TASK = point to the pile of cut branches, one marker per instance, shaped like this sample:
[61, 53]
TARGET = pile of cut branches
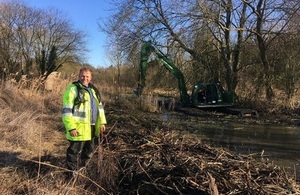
[148, 160]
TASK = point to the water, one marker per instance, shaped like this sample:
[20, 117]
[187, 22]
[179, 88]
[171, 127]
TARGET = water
[277, 144]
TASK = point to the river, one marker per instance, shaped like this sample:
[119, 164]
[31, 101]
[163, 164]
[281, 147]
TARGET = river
[275, 143]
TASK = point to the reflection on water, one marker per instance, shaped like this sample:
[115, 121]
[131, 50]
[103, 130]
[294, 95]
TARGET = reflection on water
[278, 143]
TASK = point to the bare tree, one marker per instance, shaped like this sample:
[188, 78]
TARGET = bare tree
[54, 31]
[226, 21]
[286, 48]
[187, 26]
[272, 19]
[219, 39]
[9, 52]
[37, 41]
[165, 25]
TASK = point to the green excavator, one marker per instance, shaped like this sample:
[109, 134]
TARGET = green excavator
[204, 95]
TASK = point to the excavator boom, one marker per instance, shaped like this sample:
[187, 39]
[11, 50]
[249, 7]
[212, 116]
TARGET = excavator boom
[146, 50]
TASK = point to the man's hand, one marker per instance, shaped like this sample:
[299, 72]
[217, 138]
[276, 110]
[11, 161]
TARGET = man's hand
[102, 129]
[74, 133]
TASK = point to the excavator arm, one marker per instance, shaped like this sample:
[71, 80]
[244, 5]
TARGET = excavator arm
[146, 50]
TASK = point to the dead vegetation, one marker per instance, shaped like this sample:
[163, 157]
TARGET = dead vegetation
[141, 155]
[161, 161]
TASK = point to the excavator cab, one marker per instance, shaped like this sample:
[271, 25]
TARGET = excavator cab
[208, 94]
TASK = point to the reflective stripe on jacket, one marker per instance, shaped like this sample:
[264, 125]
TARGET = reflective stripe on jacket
[78, 116]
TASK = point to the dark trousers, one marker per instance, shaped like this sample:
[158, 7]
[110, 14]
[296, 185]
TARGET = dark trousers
[79, 152]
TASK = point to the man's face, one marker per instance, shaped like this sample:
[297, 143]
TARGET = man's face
[85, 77]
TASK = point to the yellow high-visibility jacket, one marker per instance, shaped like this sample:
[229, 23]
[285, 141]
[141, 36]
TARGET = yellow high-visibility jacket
[78, 117]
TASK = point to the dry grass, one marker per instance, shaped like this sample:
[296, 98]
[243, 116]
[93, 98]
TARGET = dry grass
[31, 130]
[280, 104]
[33, 144]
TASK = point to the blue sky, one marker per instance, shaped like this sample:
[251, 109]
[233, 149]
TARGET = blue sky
[85, 15]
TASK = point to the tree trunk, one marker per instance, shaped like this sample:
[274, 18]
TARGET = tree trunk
[263, 48]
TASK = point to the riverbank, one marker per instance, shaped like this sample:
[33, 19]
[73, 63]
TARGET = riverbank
[142, 154]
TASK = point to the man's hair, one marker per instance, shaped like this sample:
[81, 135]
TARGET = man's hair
[84, 69]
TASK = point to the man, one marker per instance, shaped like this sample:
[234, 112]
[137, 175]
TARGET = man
[83, 117]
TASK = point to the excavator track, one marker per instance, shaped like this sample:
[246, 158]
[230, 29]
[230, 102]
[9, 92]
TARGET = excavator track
[200, 111]
[241, 112]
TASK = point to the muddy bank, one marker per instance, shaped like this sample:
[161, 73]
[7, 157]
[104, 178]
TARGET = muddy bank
[261, 117]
